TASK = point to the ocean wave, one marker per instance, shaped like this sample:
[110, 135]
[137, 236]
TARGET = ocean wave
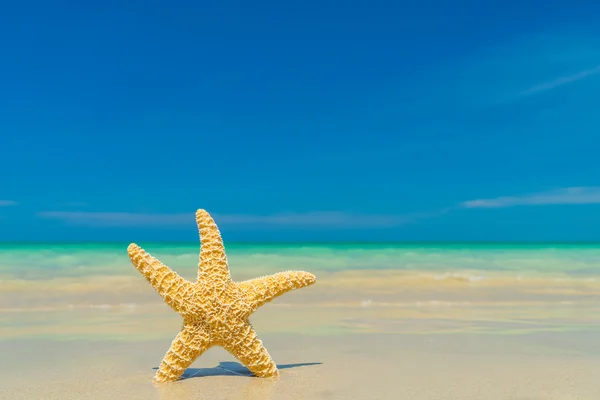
[384, 281]
[469, 265]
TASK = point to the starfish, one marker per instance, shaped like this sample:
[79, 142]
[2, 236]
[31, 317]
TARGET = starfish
[215, 309]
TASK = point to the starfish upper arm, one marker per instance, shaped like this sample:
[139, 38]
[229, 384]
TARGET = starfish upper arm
[213, 260]
[167, 282]
[261, 290]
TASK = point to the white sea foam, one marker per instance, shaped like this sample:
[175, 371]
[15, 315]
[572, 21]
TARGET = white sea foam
[366, 303]
[459, 276]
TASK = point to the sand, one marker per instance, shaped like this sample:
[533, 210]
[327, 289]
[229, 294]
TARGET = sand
[355, 335]
[359, 366]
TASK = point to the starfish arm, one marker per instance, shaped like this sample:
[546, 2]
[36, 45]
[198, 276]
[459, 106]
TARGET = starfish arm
[261, 290]
[248, 348]
[171, 287]
[192, 341]
[213, 261]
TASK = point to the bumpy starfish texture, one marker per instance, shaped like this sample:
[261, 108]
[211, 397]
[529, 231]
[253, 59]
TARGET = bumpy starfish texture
[215, 309]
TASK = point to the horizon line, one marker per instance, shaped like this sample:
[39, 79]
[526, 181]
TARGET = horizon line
[401, 242]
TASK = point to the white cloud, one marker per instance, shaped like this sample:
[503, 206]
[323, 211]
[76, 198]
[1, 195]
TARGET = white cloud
[115, 218]
[316, 219]
[563, 80]
[572, 195]
[320, 220]
[310, 219]
[7, 203]
[74, 204]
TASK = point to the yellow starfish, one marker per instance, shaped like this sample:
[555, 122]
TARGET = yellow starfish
[215, 309]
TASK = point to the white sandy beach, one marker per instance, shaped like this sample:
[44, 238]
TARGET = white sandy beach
[359, 366]
[354, 335]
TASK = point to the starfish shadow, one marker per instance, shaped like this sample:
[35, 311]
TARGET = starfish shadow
[232, 368]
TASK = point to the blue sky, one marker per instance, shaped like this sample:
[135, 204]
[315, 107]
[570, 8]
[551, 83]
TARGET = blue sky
[318, 121]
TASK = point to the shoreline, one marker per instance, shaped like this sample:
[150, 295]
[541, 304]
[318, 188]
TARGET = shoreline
[444, 325]
[357, 301]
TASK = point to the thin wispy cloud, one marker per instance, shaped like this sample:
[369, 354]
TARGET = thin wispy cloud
[74, 204]
[7, 203]
[316, 220]
[322, 220]
[572, 195]
[113, 219]
[564, 80]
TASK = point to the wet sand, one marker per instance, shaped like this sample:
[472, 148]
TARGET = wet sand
[360, 366]
[353, 335]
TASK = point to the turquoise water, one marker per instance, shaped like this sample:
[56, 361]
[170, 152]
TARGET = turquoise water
[93, 291]
[38, 261]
